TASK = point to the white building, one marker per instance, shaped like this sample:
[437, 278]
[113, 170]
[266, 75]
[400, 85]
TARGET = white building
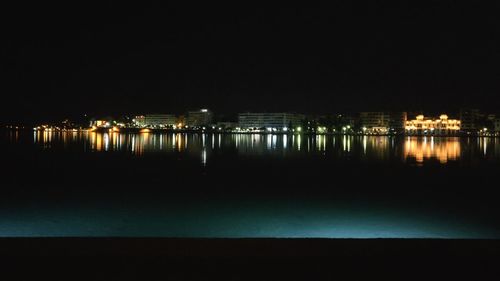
[155, 120]
[269, 121]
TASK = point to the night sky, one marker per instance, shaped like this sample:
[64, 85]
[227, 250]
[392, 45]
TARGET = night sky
[62, 61]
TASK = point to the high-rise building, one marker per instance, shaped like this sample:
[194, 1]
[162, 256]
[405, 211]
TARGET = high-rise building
[270, 121]
[199, 118]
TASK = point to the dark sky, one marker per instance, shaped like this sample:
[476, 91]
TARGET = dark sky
[68, 60]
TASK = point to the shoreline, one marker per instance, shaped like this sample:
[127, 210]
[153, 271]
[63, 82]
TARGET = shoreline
[184, 131]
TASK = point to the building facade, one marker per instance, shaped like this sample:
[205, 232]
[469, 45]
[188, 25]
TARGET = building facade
[397, 121]
[155, 120]
[100, 123]
[471, 120]
[270, 121]
[382, 122]
[376, 122]
[497, 125]
[433, 126]
[199, 118]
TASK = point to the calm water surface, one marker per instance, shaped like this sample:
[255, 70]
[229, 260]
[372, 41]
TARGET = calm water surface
[237, 185]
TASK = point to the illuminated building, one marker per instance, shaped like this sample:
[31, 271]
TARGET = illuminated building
[273, 121]
[202, 117]
[429, 126]
[100, 124]
[155, 120]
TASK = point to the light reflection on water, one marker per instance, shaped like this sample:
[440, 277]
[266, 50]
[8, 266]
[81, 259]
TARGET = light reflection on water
[442, 149]
[418, 150]
[166, 214]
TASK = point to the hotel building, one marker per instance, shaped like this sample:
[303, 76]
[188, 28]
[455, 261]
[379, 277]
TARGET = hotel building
[471, 120]
[155, 120]
[375, 121]
[429, 126]
[199, 118]
[497, 125]
[382, 122]
[269, 121]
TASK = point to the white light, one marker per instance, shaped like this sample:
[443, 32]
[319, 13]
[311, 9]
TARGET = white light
[285, 129]
[204, 110]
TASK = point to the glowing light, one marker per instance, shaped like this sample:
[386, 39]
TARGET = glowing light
[443, 151]
[145, 131]
[299, 129]
[442, 125]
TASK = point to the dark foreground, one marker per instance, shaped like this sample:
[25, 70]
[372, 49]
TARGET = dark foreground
[246, 259]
